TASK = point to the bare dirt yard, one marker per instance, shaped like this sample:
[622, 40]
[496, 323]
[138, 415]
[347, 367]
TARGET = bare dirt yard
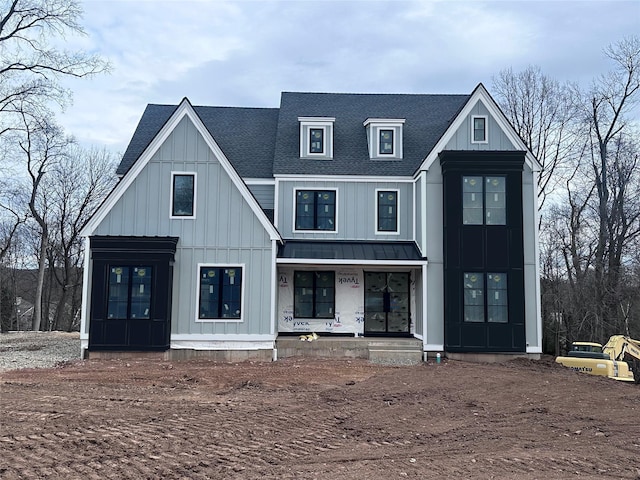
[314, 419]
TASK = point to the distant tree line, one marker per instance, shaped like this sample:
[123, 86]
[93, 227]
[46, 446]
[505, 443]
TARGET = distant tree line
[588, 144]
[49, 185]
[587, 141]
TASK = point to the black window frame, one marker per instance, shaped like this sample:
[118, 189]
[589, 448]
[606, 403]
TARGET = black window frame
[314, 150]
[484, 192]
[383, 150]
[476, 130]
[174, 190]
[223, 291]
[381, 216]
[315, 220]
[474, 282]
[134, 296]
[315, 286]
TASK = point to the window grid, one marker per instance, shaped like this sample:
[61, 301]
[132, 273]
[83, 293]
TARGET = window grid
[220, 295]
[129, 295]
[485, 297]
[314, 294]
[387, 211]
[315, 210]
[484, 200]
[479, 129]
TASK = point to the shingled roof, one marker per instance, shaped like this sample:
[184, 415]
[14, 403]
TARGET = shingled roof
[261, 142]
[426, 119]
[246, 136]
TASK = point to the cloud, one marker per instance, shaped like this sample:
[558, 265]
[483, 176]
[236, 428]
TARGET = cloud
[245, 53]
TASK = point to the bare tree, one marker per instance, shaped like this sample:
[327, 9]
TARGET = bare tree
[30, 65]
[42, 145]
[613, 161]
[79, 182]
[541, 110]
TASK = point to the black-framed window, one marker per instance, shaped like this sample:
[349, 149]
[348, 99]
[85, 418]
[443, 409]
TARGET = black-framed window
[314, 294]
[479, 129]
[315, 210]
[220, 292]
[386, 142]
[484, 200]
[387, 211]
[183, 195]
[316, 140]
[485, 297]
[129, 292]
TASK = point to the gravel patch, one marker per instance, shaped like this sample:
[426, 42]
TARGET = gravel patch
[37, 349]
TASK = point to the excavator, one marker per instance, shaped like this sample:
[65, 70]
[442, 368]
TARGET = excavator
[619, 359]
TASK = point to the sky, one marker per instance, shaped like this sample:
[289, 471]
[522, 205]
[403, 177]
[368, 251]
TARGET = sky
[246, 52]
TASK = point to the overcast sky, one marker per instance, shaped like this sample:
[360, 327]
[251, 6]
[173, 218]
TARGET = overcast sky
[244, 53]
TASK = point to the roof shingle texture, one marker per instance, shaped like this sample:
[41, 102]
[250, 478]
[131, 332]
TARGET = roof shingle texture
[262, 142]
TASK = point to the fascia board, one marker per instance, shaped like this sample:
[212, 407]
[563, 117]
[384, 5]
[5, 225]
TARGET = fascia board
[233, 174]
[321, 261]
[341, 178]
[480, 94]
[184, 109]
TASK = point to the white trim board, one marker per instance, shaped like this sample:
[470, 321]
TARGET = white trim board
[480, 94]
[184, 109]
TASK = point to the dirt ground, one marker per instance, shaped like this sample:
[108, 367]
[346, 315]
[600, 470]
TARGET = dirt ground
[315, 419]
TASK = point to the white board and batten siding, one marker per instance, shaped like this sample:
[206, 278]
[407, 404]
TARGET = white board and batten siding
[225, 231]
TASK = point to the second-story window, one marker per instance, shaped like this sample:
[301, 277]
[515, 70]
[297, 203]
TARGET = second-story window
[183, 188]
[315, 210]
[484, 200]
[387, 211]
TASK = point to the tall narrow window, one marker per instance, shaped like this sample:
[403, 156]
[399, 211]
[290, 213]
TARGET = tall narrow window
[497, 308]
[479, 129]
[129, 292]
[183, 195]
[314, 294]
[388, 211]
[316, 140]
[484, 200]
[386, 142]
[474, 297]
[495, 201]
[315, 210]
[220, 293]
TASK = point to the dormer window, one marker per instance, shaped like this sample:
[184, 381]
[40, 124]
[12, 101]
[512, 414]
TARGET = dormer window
[386, 142]
[384, 137]
[316, 140]
[316, 137]
[479, 129]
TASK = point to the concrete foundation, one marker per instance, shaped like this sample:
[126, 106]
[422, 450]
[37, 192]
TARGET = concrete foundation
[403, 351]
[490, 357]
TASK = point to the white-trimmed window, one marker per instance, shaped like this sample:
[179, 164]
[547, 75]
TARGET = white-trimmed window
[479, 133]
[316, 137]
[220, 292]
[387, 211]
[315, 210]
[183, 195]
[384, 137]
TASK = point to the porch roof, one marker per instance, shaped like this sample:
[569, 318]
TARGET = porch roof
[340, 251]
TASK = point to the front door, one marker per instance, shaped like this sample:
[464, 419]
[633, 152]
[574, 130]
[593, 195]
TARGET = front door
[386, 304]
